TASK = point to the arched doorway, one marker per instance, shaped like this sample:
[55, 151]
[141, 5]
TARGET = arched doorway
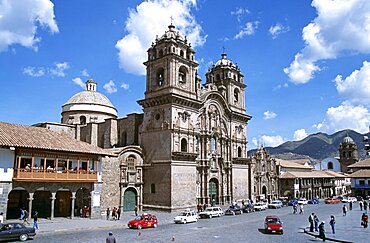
[129, 199]
[63, 204]
[42, 203]
[264, 191]
[213, 191]
[17, 199]
[83, 198]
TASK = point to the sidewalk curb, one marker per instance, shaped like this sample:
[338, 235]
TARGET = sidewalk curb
[326, 238]
[80, 229]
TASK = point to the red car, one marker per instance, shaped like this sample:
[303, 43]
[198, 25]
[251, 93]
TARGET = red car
[143, 221]
[273, 224]
[332, 200]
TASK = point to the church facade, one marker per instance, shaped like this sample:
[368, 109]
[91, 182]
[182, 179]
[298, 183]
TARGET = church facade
[189, 146]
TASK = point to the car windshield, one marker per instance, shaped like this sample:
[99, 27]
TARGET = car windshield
[183, 214]
[273, 221]
[209, 209]
[139, 218]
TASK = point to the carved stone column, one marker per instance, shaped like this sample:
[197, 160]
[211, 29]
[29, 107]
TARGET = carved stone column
[73, 205]
[30, 199]
[53, 194]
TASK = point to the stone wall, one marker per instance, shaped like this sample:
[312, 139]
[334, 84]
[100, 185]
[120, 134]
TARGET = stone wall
[184, 187]
[5, 188]
[110, 193]
[240, 182]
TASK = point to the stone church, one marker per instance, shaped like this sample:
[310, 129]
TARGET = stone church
[189, 146]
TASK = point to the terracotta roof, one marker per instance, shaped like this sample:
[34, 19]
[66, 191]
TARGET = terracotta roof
[21, 136]
[305, 174]
[361, 174]
[361, 164]
[335, 174]
[300, 161]
[291, 164]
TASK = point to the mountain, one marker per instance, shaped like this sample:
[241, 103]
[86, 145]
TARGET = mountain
[317, 146]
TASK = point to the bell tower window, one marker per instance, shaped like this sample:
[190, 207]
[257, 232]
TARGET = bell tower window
[82, 120]
[236, 95]
[182, 53]
[182, 75]
[160, 77]
[184, 145]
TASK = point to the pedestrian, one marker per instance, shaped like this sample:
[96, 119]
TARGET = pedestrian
[35, 220]
[350, 205]
[311, 221]
[322, 231]
[316, 220]
[332, 223]
[364, 220]
[119, 213]
[301, 211]
[294, 208]
[365, 206]
[344, 210]
[108, 213]
[204, 207]
[1, 218]
[25, 218]
[21, 214]
[114, 213]
[136, 209]
[199, 207]
[360, 203]
[110, 238]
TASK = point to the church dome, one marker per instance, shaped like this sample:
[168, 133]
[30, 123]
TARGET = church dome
[224, 61]
[348, 140]
[172, 34]
[89, 97]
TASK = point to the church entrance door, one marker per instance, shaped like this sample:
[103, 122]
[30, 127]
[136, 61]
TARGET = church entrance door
[213, 191]
[129, 199]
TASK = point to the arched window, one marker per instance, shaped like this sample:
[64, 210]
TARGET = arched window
[182, 53]
[330, 166]
[349, 154]
[213, 144]
[82, 120]
[184, 145]
[344, 154]
[131, 163]
[239, 152]
[160, 77]
[160, 53]
[173, 49]
[182, 75]
[236, 95]
[234, 77]
[217, 77]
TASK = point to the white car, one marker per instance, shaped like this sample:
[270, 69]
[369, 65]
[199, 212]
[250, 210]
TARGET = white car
[275, 204]
[211, 212]
[302, 201]
[187, 216]
[349, 199]
[259, 206]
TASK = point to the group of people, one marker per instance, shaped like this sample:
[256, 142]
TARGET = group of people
[318, 226]
[364, 205]
[295, 208]
[116, 213]
[24, 215]
[85, 212]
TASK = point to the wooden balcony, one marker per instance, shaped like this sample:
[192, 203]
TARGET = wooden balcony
[36, 175]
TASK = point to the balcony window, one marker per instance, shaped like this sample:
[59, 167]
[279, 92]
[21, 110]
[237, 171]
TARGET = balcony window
[361, 182]
[131, 163]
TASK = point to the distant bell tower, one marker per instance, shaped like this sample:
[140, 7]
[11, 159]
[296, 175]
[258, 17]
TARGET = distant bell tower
[348, 153]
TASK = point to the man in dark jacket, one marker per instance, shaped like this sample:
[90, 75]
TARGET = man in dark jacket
[110, 238]
[322, 230]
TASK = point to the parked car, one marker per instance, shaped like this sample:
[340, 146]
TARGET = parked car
[259, 206]
[349, 199]
[313, 201]
[233, 210]
[186, 216]
[302, 201]
[14, 231]
[293, 202]
[275, 204]
[273, 224]
[332, 200]
[248, 208]
[211, 212]
[143, 221]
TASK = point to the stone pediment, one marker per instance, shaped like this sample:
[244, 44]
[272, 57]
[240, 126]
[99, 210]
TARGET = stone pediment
[184, 156]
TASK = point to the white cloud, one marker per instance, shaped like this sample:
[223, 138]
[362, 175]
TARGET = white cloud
[110, 87]
[239, 13]
[300, 134]
[248, 29]
[151, 18]
[21, 19]
[356, 87]
[125, 86]
[271, 141]
[59, 69]
[269, 115]
[79, 82]
[34, 71]
[339, 26]
[345, 116]
[278, 29]
[85, 73]
[279, 86]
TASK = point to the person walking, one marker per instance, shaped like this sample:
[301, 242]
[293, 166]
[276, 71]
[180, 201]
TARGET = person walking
[35, 220]
[365, 206]
[108, 213]
[364, 220]
[344, 210]
[311, 221]
[332, 223]
[25, 218]
[136, 209]
[295, 208]
[110, 238]
[316, 220]
[301, 211]
[350, 205]
[322, 231]
[1, 218]
[119, 213]
[21, 214]
[360, 203]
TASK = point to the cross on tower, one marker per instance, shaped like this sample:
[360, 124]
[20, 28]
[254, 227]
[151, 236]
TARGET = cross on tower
[171, 19]
[223, 49]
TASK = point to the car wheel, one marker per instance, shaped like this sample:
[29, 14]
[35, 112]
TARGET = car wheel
[155, 225]
[210, 216]
[282, 232]
[23, 237]
[139, 227]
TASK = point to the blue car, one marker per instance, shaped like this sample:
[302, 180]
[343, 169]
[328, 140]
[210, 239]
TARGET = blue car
[313, 201]
[293, 202]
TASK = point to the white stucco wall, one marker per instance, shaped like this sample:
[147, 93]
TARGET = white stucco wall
[6, 164]
[323, 165]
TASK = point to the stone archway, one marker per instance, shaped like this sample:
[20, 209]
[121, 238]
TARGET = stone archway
[17, 199]
[213, 191]
[63, 204]
[264, 191]
[129, 199]
[83, 198]
[42, 203]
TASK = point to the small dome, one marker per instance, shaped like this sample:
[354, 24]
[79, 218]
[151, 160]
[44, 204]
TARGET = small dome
[172, 34]
[90, 97]
[224, 61]
[348, 140]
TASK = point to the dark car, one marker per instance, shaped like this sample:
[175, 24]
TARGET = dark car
[13, 231]
[273, 224]
[313, 201]
[248, 208]
[233, 210]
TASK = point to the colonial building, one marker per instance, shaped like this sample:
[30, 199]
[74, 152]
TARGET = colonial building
[48, 172]
[360, 178]
[189, 146]
[348, 153]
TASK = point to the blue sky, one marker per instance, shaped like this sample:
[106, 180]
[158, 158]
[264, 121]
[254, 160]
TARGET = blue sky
[305, 62]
